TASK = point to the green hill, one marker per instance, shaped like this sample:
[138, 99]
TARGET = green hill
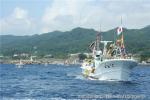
[58, 43]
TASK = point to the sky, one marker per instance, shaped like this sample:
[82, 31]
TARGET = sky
[28, 17]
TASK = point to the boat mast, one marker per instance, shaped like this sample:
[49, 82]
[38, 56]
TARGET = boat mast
[122, 37]
[120, 41]
[98, 39]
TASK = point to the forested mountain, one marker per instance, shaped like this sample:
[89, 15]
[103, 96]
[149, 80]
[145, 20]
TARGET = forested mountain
[59, 43]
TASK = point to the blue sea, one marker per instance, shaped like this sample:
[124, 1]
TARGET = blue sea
[59, 82]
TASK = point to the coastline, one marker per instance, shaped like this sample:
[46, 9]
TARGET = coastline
[40, 61]
[51, 61]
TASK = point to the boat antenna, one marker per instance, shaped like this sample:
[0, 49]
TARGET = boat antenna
[100, 33]
[98, 38]
[121, 20]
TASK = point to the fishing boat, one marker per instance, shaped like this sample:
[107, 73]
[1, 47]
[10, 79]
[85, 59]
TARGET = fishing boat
[109, 63]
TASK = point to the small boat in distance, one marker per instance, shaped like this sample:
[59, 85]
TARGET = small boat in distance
[20, 64]
[112, 63]
[46, 64]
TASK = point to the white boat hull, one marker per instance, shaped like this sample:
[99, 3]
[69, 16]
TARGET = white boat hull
[113, 69]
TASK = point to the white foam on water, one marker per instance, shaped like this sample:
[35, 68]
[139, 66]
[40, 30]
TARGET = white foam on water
[71, 74]
[57, 98]
[80, 77]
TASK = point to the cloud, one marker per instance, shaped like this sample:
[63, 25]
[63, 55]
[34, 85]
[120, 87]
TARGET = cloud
[18, 23]
[19, 13]
[67, 14]
[63, 14]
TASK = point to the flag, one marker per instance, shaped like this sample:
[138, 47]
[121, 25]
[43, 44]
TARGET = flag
[122, 46]
[122, 41]
[119, 30]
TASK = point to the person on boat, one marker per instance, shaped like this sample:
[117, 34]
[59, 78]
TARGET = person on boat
[110, 51]
[92, 67]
